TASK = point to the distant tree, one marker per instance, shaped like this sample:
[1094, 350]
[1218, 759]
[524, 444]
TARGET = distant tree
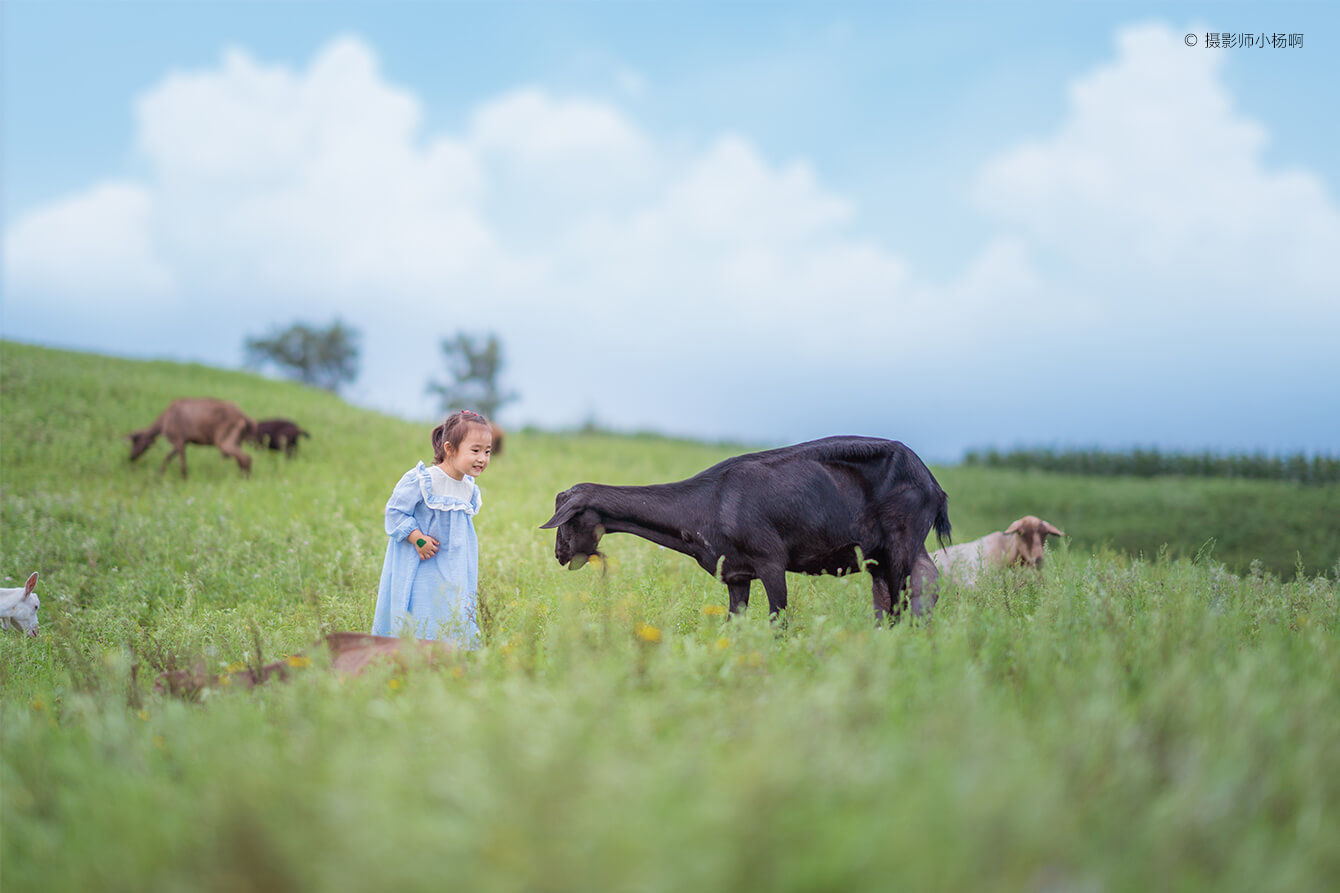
[326, 358]
[474, 365]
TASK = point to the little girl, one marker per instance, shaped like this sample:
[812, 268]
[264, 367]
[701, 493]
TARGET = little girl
[431, 569]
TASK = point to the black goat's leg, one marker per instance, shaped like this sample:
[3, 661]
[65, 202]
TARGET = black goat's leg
[739, 595]
[887, 599]
[774, 583]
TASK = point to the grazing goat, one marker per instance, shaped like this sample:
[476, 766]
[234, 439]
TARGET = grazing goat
[498, 434]
[202, 420]
[18, 607]
[836, 505]
[1021, 543]
[279, 434]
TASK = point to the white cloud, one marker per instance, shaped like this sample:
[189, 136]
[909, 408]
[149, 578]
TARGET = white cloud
[99, 243]
[274, 182]
[1155, 179]
[535, 128]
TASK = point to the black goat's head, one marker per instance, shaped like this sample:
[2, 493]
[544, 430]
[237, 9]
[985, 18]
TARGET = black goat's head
[579, 530]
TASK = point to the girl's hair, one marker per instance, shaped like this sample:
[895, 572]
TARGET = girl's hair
[453, 431]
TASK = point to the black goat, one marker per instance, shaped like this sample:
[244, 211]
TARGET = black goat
[279, 434]
[806, 508]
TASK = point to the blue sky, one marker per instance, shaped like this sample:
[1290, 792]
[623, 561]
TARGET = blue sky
[956, 225]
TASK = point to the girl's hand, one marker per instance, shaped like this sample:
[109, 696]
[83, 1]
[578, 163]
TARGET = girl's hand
[429, 545]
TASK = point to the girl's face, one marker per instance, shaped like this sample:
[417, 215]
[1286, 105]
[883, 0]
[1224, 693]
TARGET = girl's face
[472, 457]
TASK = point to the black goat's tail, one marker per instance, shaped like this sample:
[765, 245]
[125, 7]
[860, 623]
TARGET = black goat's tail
[942, 527]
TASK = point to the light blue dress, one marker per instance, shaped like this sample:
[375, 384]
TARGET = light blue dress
[437, 598]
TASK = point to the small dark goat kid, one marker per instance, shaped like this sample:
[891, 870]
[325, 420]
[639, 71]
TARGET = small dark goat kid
[806, 508]
[202, 420]
[279, 434]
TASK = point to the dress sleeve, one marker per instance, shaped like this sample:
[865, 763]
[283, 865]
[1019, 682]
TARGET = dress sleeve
[400, 507]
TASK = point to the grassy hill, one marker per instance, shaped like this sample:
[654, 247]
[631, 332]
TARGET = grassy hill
[1134, 720]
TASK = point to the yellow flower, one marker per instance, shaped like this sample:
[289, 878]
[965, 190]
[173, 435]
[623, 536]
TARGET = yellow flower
[225, 679]
[647, 633]
[38, 704]
[722, 644]
[714, 610]
[143, 714]
[393, 684]
[234, 667]
[297, 660]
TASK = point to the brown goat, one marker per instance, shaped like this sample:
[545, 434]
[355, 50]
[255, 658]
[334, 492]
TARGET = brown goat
[497, 438]
[201, 420]
[1021, 543]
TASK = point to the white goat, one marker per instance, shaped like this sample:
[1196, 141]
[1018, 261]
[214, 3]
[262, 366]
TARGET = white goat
[18, 607]
[1020, 543]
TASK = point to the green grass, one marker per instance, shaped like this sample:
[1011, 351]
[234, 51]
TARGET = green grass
[1130, 722]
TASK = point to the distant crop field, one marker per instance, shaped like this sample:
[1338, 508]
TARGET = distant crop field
[1299, 468]
[1157, 711]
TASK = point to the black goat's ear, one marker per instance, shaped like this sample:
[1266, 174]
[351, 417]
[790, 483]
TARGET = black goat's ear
[562, 515]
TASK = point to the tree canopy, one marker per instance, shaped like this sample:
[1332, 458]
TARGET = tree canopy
[474, 365]
[326, 358]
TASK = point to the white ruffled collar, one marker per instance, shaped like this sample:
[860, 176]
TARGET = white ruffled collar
[448, 503]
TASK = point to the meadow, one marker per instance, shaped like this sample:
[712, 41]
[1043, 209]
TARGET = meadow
[1156, 716]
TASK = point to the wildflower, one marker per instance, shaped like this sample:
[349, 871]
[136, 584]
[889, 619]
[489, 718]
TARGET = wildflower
[714, 610]
[143, 714]
[393, 684]
[722, 644]
[647, 633]
[38, 704]
[225, 679]
[234, 667]
[298, 660]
